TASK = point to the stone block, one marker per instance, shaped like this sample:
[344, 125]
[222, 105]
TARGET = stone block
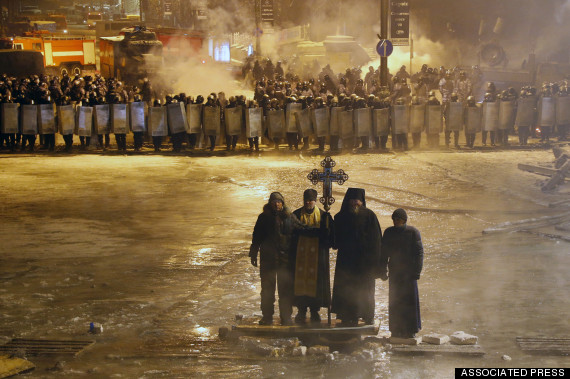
[318, 350]
[435, 338]
[406, 341]
[300, 351]
[274, 347]
[462, 338]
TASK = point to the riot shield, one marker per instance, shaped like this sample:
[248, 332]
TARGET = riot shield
[9, 122]
[276, 124]
[417, 118]
[526, 111]
[454, 121]
[303, 122]
[157, 121]
[137, 116]
[506, 115]
[547, 111]
[253, 122]
[562, 110]
[434, 119]
[233, 121]
[119, 119]
[66, 119]
[46, 119]
[83, 121]
[381, 125]
[194, 117]
[400, 118]
[290, 124]
[334, 121]
[346, 124]
[29, 119]
[490, 116]
[363, 122]
[473, 119]
[212, 121]
[102, 119]
[320, 119]
[176, 117]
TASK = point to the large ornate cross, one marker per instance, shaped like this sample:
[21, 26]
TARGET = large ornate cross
[327, 177]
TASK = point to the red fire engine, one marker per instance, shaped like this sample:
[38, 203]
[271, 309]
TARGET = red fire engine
[71, 54]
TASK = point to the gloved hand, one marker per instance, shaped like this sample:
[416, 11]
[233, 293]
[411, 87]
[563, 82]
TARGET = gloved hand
[254, 261]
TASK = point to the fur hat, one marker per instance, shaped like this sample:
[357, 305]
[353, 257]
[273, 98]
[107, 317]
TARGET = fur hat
[310, 195]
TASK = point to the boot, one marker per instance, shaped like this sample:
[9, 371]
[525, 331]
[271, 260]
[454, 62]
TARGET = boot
[265, 320]
[315, 317]
[301, 317]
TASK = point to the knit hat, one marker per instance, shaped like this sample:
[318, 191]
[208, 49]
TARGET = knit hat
[276, 196]
[400, 213]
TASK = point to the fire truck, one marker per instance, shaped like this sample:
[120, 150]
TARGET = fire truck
[61, 54]
[131, 56]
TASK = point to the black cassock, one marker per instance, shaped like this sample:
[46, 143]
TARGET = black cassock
[402, 254]
[358, 238]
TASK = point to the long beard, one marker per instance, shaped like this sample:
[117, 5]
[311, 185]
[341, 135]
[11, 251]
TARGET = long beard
[354, 210]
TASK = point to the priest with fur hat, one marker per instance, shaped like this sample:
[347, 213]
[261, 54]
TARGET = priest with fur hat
[311, 259]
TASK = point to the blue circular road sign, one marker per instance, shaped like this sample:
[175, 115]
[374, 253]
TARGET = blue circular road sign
[384, 48]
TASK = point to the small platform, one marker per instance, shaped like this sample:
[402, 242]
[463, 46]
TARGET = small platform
[545, 345]
[45, 347]
[446, 349]
[10, 366]
[323, 332]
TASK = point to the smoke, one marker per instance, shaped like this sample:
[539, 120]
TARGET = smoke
[231, 17]
[200, 75]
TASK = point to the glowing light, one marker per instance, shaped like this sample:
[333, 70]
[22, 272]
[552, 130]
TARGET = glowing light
[249, 50]
[201, 332]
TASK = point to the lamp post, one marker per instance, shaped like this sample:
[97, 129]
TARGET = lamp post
[384, 35]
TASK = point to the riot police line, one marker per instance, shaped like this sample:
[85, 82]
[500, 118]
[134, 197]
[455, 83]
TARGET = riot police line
[344, 122]
[351, 124]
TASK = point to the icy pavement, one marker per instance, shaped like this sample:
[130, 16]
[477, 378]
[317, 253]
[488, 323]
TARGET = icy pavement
[155, 249]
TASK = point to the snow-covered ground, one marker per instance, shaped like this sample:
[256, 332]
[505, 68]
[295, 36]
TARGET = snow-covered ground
[155, 249]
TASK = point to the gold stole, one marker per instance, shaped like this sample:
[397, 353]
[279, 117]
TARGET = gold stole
[306, 266]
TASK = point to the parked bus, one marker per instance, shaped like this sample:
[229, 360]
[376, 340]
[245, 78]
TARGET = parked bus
[93, 19]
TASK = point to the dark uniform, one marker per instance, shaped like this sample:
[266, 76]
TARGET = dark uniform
[402, 258]
[358, 238]
[272, 238]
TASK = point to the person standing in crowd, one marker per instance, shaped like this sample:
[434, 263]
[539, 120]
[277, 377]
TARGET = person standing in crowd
[358, 238]
[311, 259]
[272, 239]
[401, 263]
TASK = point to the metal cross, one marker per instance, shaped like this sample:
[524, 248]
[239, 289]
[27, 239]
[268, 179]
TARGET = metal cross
[327, 177]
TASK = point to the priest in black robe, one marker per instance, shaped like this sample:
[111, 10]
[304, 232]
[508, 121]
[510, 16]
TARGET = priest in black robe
[311, 248]
[358, 238]
[402, 260]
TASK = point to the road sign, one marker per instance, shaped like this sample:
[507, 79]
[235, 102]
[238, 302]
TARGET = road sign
[400, 22]
[384, 48]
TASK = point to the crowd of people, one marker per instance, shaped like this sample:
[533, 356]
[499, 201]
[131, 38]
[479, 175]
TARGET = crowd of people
[344, 111]
[294, 249]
